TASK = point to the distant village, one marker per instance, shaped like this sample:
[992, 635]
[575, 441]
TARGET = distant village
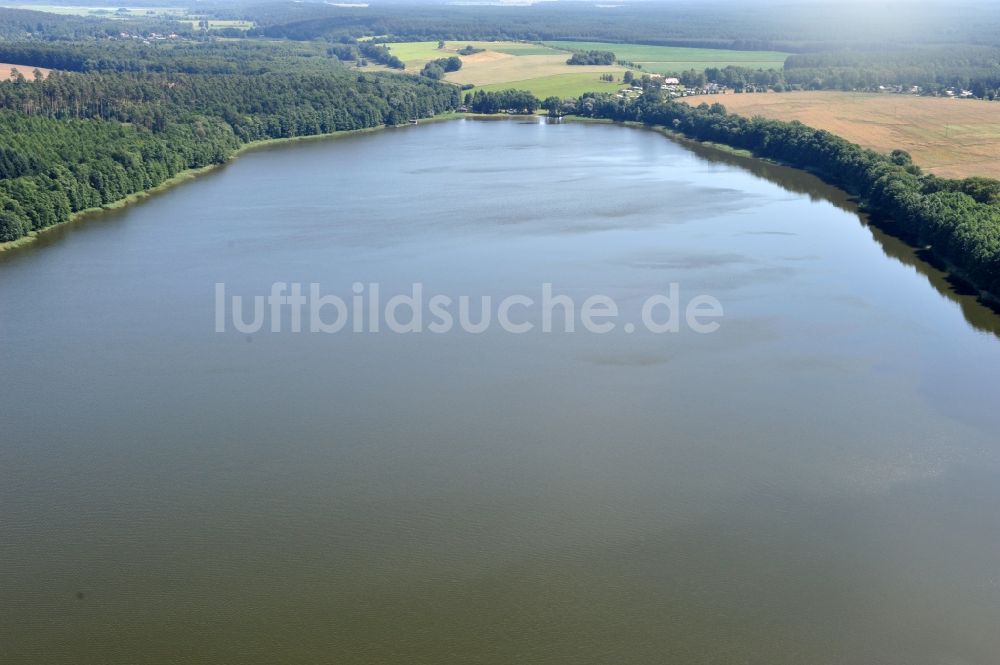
[148, 37]
[674, 88]
[917, 90]
[671, 85]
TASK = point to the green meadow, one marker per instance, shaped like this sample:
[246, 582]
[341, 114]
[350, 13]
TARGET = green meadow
[558, 85]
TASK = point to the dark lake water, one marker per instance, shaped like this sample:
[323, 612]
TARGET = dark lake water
[815, 482]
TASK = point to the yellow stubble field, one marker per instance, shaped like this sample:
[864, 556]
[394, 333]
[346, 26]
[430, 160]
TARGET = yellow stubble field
[953, 138]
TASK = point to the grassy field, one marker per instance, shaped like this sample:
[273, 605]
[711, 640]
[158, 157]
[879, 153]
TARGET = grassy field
[954, 138]
[673, 59]
[527, 49]
[416, 54]
[559, 85]
[493, 67]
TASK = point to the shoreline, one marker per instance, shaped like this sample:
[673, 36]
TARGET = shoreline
[986, 298]
[958, 279]
[190, 174]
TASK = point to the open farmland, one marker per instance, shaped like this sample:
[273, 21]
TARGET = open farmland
[495, 67]
[949, 137]
[559, 85]
[675, 59]
[500, 65]
[421, 52]
[416, 54]
[542, 68]
[28, 71]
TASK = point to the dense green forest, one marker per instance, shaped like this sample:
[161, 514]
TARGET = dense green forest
[934, 70]
[922, 71]
[254, 107]
[436, 69]
[802, 27]
[22, 24]
[928, 70]
[591, 58]
[75, 141]
[191, 57]
[52, 168]
[515, 101]
[380, 54]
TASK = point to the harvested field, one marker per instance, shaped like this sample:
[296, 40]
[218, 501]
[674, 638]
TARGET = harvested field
[27, 70]
[953, 138]
[494, 67]
[560, 85]
[510, 64]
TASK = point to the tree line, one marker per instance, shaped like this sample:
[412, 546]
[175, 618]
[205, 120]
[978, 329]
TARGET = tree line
[436, 69]
[591, 58]
[207, 56]
[76, 141]
[380, 54]
[809, 27]
[502, 101]
[958, 219]
[16, 24]
[931, 71]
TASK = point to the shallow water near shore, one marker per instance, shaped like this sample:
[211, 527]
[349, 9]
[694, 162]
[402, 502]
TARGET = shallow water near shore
[815, 482]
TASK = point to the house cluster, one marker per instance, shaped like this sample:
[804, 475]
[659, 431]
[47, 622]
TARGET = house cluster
[684, 91]
[917, 90]
[901, 89]
[146, 39]
[673, 87]
[629, 93]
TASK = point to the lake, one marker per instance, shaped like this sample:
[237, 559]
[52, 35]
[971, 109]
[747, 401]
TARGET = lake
[814, 482]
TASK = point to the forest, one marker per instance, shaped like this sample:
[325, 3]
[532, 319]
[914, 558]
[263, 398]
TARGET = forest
[591, 58]
[933, 70]
[502, 101]
[436, 69]
[79, 140]
[40, 25]
[209, 56]
[925, 70]
[807, 27]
